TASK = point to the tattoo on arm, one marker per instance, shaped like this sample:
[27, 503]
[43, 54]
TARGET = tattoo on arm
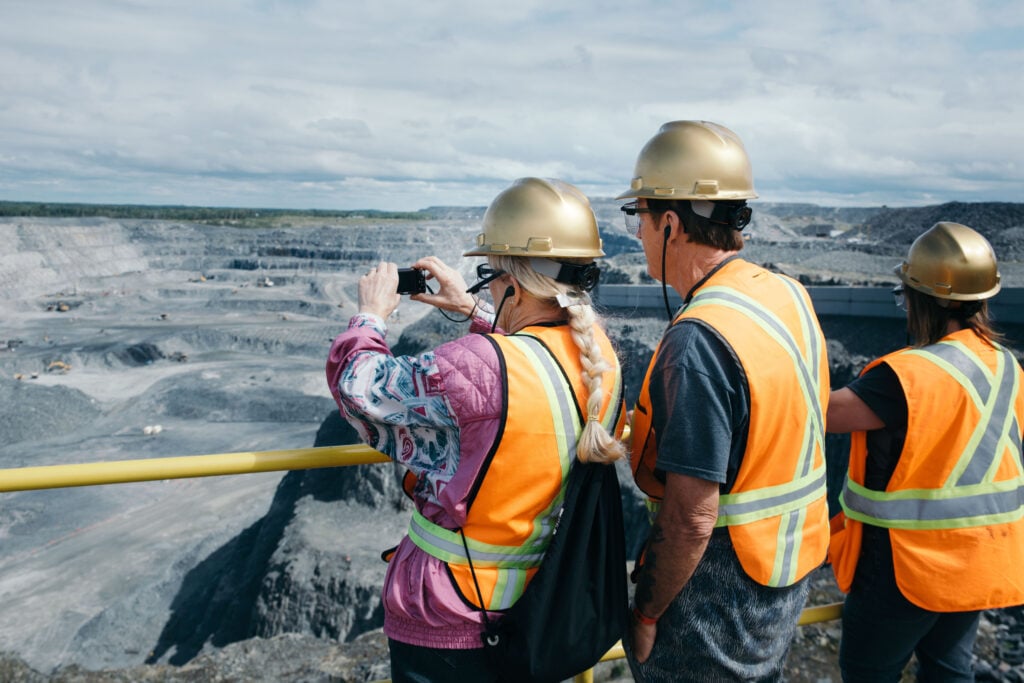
[645, 584]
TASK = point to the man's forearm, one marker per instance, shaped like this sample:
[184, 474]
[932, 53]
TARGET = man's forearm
[678, 539]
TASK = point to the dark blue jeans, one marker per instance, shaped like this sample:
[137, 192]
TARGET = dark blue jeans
[723, 626]
[414, 664]
[882, 629]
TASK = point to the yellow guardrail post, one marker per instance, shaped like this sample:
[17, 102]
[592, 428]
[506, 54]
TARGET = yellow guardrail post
[585, 677]
[819, 613]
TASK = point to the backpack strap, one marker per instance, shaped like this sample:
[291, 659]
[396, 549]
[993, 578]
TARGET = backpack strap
[489, 637]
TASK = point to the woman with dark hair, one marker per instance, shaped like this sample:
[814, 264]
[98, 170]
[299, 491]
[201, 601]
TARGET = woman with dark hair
[932, 527]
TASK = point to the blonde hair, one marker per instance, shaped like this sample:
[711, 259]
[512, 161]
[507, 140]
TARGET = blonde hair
[596, 444]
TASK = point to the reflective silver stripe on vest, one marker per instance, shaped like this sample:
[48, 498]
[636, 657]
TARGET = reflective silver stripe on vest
[445, 544]
[970, 496]
[559, 394]
[962, 509]
[975, 468]
[812, 343]
[775, 500]
[543, 356]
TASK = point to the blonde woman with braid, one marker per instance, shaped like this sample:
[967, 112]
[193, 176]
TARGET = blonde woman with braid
[488, 425]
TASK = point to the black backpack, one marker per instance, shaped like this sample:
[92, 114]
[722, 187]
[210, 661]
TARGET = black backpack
[576, 606]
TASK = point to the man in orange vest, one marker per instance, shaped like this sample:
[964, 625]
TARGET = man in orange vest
[932, 528]
[728, 430]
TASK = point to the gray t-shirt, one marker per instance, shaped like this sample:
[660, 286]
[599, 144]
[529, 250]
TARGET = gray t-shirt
[700, 403]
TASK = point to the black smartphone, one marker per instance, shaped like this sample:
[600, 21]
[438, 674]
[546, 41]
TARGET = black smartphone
[411, 281]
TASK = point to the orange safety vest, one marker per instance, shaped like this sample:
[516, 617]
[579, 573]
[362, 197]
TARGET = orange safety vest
[776, 511]
[519, 492]
[954, 506]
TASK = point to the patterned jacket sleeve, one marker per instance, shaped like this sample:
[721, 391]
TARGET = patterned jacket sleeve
[397, 404]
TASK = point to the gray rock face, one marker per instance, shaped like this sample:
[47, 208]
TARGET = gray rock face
[311, 565]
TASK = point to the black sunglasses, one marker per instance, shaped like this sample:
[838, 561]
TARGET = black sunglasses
[486, 274]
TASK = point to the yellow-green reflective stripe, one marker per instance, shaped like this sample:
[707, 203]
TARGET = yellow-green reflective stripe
[974, 378]
[961, 523]
[541, 359]
[565, 418]
[611, 415]
[965, 506]
[559, 394]
[994, 395]
[787, 548]
[790, 536]
[511, 584]
[752, 506]
[446, 545]
[812, 342]
[967, 369]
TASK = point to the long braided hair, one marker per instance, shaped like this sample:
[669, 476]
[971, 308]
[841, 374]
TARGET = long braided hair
[595, 444]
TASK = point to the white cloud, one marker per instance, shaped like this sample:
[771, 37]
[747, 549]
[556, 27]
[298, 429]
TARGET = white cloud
[405, 105]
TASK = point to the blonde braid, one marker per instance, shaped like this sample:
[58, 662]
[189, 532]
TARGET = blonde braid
[596, 444]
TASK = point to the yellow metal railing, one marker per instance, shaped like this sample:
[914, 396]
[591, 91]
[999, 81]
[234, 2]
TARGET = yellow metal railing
[155, 469]
[127, 471]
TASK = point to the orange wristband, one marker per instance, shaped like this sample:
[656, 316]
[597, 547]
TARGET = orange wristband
[643, 618]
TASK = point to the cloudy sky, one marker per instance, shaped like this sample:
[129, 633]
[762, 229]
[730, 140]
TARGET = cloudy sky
[394, 104]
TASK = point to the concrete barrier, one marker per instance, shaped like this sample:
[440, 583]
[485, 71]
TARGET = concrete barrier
[870, 302]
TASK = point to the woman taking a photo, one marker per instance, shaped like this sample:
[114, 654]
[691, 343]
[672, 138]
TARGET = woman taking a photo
[488, 424]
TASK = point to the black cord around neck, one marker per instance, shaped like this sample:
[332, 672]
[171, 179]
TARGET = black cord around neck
[497, 312]
[664, 277]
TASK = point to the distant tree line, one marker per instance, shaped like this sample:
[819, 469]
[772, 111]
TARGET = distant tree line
[196, 214]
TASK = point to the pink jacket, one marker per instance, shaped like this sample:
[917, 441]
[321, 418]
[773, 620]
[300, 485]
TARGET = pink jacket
[421, 605]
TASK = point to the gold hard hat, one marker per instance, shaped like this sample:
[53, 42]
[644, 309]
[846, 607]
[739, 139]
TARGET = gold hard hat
[951, 261]
[692, 160]
[539, 217]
